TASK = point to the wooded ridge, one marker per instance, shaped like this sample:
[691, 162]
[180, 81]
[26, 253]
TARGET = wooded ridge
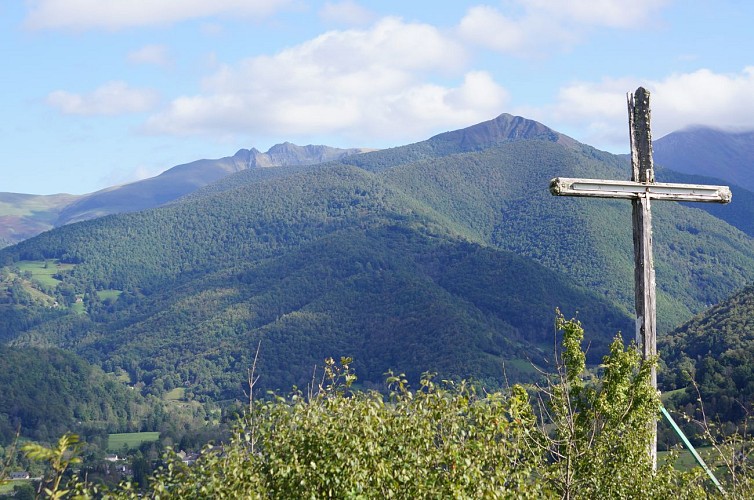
[447, 255]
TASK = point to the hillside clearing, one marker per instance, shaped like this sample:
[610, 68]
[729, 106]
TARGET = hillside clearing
[116, 442]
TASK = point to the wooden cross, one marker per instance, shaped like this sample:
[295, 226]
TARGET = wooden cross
[640, 190]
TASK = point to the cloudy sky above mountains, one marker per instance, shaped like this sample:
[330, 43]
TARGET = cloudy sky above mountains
[100, 92]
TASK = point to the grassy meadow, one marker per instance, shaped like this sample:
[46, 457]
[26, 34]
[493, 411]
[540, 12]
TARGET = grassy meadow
[175, 394]
[115, 442]
[42, 271]
[109, 294]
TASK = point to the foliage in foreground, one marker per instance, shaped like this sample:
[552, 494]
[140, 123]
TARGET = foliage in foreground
[576, 438]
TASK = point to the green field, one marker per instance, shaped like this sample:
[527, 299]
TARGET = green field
[132, 440]
[521, 366]
[109, 294]
[42, 271]
[175, 394]
[122, 376]
[78, 308]
[685, 460]
[667, 395]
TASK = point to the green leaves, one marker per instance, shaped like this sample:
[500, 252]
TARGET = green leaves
[601, 425]
[574, 359]
[59, 459]
[442, 440]
[584, 436]
[446, 440]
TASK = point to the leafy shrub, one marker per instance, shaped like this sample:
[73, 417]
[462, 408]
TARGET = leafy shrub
[587, 439]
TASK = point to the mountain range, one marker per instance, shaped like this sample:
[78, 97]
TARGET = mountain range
[24, 215]
[699, 152]
[447, 255]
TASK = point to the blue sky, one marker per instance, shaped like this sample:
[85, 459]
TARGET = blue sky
[102, 92]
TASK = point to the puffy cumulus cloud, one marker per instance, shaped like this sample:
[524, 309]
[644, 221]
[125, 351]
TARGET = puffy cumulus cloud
[347, 13]
[583, 101]
[362, 84]
[721, 100]
[534, 27]
[525, 35]
[118, 14]
[151, 54]
[680, 100]
[475, 99]
[112, 98]
[597, 109]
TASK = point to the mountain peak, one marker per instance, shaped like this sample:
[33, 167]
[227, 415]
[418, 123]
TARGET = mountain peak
[504, 128]
[287, 153]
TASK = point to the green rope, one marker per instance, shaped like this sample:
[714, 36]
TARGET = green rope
[691, 448]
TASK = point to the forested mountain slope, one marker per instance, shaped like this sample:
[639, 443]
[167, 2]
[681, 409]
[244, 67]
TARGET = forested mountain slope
[47, 392]
[499, 197]
[183, 179]
[391, 297]
[715, 351]
[324, 262]
[446, 255]
[739, 213]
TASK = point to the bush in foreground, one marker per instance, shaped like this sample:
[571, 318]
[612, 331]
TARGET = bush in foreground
[575, 438]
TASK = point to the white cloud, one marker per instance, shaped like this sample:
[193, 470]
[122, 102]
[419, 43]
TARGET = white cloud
[112, 98]
[538, 27]
[118, 14]
[362, 84]
[722, 100]
[610, 13]
[487, 26]
[523, 36]
[151, 54]
[347, 13]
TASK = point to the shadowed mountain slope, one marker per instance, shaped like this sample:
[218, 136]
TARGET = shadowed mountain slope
[709, 152]
[499, 197]
[714, 359]
[390, 297]
[738, 213]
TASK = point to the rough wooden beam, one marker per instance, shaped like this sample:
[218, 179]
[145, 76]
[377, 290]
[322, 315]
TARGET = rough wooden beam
[644, 272]
[599, 188]
[639, 114]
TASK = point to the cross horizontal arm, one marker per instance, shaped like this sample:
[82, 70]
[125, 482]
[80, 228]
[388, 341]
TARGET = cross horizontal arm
[598, 188]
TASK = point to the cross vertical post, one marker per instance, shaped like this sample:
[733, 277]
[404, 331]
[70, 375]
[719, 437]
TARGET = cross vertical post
[640, 190]
[642, 171]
